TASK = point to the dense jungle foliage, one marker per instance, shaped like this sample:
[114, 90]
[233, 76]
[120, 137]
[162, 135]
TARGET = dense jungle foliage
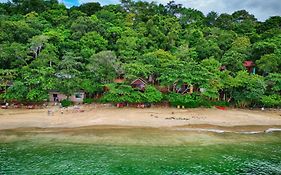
[45, 46]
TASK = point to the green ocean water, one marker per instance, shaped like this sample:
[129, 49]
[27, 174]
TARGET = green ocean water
[142, 151]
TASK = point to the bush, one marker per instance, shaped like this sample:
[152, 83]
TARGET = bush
[204, 102]
[88, 100]
[151, 95]
[66, 103]
[271, 100]
[120, 93]
[193, 101]
[220, 103]
[248, 89]
[187, 100]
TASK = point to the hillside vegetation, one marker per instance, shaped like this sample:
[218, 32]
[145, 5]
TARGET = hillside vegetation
[45, 46]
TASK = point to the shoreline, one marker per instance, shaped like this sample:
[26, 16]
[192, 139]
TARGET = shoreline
[253, 129]
[204, 119]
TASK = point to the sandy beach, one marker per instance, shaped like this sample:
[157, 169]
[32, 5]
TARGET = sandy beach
[97, 116]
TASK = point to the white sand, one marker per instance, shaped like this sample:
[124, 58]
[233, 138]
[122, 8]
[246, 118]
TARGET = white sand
[150, 117]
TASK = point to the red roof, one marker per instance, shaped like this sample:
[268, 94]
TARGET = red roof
[248, 63]
[119, 80]
[139, 81]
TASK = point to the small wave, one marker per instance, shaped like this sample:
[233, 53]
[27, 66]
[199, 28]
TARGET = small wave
[201, 129]
[273, 130]
[214, 130]
[227, 131]
[250, 132]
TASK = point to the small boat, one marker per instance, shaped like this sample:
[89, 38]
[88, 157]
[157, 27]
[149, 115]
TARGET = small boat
[4, 107]
[220, 107]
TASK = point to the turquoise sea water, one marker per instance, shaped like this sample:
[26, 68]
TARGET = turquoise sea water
[142, 151]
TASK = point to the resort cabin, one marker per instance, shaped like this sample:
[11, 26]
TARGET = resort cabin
[182, 88]
[139, 83]
[56, 96]
[250, 66]
[4, 86]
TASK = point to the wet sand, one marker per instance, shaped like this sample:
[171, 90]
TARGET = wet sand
[177, 119]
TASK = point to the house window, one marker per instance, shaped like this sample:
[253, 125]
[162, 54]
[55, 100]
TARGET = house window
[78, 95]
[55, 97]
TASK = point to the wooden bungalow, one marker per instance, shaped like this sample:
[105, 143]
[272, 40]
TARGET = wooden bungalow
[56, 96]
[182, 88]
[4, 85]
[139, 83]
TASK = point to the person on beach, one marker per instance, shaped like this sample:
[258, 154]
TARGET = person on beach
[49, 112]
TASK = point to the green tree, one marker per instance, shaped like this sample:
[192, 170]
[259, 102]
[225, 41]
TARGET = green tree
[90, 8]
[214, 82]
[211, 18]
[105, 66]
[271, 100]
[38, 81]
[13, 55]
[152, 95]
[119, 93]
[207, 48]
[244, 23]
[48, 57]
[137, 69]
[70, 64]
[270, 63]
[91, 43]
[17, 31]
[17, 92]
[37, 43]
[270, 23]
[57, 15]
[224, 21]
[241, 45]
[190, 16]
[6, 77]
[185, 53]
[234, 60]
[273, 81]
[32, 86]
[68, 77]
[248, 88]
[83, 25]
